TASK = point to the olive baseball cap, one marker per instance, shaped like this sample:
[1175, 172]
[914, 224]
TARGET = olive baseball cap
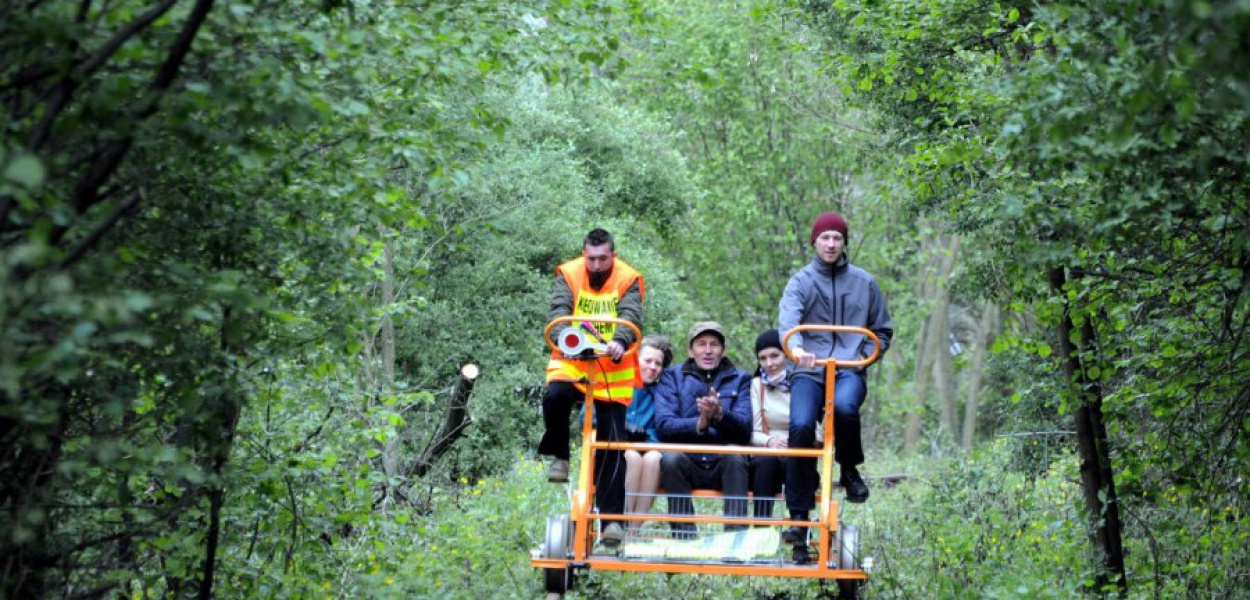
[703, 327]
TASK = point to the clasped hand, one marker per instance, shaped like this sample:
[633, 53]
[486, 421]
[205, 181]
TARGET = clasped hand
[709, 409]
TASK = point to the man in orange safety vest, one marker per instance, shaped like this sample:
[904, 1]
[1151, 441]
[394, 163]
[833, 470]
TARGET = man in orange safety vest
[598, 284]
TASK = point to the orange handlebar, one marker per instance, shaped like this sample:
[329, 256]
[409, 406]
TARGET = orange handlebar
[574, 320]
[863, 362]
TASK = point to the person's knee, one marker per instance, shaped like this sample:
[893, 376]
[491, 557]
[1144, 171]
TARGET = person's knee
[734, 462]
[672, 466]
[848, 408]
[802, 434]
[652, 458]
[632, 458]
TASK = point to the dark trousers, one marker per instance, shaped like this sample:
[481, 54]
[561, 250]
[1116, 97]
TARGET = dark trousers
[558, 402]
[681, 475]
[807, 408]
[768, 473]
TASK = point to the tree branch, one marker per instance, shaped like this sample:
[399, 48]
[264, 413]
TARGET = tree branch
[316, 432]
[106, 51]
[92, 238]
[86, 192]
[65, 88]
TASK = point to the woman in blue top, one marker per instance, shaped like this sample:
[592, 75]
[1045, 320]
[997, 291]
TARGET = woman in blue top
[642, 471]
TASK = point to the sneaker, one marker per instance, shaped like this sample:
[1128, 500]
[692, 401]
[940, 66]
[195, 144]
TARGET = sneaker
[795, 536]
[559, 471]
[856, 489]
[612, 535]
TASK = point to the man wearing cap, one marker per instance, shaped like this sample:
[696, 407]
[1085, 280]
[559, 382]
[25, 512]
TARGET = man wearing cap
[706, 400]
[828, 291]
[597, 284]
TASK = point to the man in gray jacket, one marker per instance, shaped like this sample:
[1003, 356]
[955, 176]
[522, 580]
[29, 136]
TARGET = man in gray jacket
[828, 291]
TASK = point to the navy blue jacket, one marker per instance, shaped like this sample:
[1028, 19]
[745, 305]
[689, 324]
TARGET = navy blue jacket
[677, 409]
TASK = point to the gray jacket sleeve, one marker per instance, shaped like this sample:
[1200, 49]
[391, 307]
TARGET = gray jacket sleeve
[791, 311]
[879, 317]
[561, 306]
[630, 309]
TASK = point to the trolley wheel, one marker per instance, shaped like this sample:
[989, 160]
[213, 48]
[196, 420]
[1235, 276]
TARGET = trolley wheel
[848, 551]
[559, 541]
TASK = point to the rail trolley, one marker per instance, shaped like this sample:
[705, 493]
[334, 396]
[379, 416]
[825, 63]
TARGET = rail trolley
[572, 543]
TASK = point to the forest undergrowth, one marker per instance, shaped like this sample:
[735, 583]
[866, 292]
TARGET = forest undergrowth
[989, 524]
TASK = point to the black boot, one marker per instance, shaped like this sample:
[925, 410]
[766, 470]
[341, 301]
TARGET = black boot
[796, 536]
[801, 555]
[856, 489]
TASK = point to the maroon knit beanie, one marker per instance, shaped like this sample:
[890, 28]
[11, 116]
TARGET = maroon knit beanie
[830, 221]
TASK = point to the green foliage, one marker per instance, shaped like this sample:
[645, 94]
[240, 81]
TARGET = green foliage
[1104, 141]
[250, 149]
[201, 204]
[569, 163]
[978, 527]
[773, 145]
[989, 526]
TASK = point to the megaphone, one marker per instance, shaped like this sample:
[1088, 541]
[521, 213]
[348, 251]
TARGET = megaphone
[573, 341]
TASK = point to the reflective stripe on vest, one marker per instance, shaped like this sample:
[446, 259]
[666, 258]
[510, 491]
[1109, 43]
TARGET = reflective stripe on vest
[616, 385]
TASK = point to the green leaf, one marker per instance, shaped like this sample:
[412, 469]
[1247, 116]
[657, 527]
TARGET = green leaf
[25, 170]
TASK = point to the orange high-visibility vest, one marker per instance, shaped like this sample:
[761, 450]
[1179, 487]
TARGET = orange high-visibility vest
[614, 382]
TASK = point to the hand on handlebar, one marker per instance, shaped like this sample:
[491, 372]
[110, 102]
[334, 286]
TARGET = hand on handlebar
[615, 350]
[804, 358]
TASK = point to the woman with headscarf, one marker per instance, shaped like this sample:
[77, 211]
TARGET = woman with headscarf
[770, 416]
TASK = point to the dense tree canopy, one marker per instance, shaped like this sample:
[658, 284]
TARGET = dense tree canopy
[245, 248]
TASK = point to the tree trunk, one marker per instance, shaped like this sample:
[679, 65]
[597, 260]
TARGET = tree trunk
[884, 377]
[26, 492]
[920, 385]
[1097, 477]
[933, 338]
[988, 331]
[455, 419]
[390, 447]
[943, 366]
[388, 324]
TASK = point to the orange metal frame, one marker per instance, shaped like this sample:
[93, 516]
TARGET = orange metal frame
[583, 498]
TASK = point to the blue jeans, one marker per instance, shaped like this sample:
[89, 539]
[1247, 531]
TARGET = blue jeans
[807, 407]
